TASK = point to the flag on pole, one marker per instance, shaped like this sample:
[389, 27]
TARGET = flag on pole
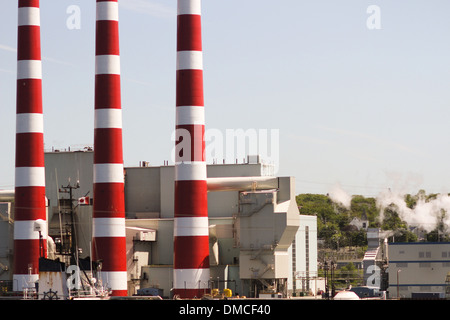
[83, 201]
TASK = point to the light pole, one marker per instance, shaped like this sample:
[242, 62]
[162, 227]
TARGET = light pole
[398, 292]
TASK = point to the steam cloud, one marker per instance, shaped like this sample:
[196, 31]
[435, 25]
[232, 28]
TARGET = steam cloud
[425, 214]
[338, 195]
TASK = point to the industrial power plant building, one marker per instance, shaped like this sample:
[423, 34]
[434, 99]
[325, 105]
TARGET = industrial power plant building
[258, 241]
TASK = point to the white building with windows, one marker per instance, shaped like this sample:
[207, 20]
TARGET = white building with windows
[419, 269]
[303, 259]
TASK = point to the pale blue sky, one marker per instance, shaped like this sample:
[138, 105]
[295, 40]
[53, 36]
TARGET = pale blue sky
[367, 109]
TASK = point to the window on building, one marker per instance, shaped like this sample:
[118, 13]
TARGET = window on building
[424, 265]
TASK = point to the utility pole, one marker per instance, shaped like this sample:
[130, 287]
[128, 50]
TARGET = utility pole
[73, 242]
[327, 295]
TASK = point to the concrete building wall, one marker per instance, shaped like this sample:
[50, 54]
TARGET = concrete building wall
[161, 250]
[6, 240]
[167, 184]
[63, 168]
[150, 190]
[235, 170]
[143, 192]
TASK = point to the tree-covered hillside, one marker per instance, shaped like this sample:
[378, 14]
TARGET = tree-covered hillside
[390, 213]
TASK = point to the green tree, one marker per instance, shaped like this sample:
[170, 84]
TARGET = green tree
[404, 235]
[348, 274]
[315, 204]
[331, 217]
[391, 220]
[362, 206]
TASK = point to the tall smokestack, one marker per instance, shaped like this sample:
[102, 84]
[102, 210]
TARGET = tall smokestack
[191, 236]
[109, 208]
[30, 232]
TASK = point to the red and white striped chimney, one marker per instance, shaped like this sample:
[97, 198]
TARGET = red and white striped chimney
[109, 206]
[30, 211]
[191, 236]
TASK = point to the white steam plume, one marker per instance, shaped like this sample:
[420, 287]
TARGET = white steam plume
[338, 195]
[425, 214]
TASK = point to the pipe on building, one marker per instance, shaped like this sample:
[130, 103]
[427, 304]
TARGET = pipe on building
[29, 244]
[242, 183]
[7, 195]
[108, 233]
[191, 233]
